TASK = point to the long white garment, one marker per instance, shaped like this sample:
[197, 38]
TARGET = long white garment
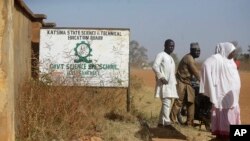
[164, 67]
[220, 78]
[167, 104]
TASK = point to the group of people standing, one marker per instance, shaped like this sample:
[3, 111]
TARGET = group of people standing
[218, 78]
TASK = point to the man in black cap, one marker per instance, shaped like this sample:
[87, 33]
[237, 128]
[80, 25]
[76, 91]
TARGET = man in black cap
[186, 70]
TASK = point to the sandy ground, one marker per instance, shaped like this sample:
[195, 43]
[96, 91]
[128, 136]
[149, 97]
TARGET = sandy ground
[149, 81]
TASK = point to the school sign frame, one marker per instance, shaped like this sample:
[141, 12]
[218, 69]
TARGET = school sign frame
[84, 56]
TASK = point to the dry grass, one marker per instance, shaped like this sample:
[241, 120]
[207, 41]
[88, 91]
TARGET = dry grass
[68, 113]
[46, 113]
[245, 65]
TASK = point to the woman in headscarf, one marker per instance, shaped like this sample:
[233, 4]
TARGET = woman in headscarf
[220, 81]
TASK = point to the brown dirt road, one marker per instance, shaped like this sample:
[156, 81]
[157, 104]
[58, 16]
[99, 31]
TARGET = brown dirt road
[149, 81]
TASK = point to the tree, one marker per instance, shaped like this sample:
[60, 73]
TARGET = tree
[248, 49]
[138, 54]
[238, 51]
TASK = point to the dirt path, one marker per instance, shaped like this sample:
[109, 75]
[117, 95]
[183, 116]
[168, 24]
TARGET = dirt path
[245, 97]
[149, 81]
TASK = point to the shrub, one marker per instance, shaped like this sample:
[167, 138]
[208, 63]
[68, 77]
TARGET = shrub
[54, 112]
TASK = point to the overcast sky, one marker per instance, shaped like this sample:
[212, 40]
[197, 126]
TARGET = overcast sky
[151, 22]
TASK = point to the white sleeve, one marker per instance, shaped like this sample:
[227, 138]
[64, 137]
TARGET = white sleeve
[157, 65]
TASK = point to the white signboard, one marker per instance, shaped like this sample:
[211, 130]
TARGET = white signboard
[84, 57]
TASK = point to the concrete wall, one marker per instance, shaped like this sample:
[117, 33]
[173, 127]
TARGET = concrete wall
[7, 131]
[19, 31]
[22, 28]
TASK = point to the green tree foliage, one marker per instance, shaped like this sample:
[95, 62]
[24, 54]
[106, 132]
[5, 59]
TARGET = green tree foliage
[138, 54]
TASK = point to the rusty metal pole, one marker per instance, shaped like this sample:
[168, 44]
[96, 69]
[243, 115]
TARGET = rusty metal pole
[128, 89]
[128, 100]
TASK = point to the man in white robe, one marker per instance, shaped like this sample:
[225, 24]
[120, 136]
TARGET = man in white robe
[220, 81]
[164, 68]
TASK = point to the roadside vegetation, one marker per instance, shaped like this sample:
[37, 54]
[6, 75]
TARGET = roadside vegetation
[57, 113]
